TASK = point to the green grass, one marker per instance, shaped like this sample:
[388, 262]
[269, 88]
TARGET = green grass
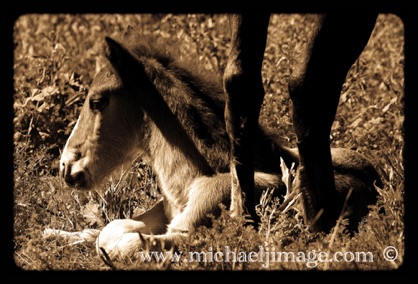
[55, 59]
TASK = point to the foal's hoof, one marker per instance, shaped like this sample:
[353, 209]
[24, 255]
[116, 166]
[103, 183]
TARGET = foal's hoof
[120, 239]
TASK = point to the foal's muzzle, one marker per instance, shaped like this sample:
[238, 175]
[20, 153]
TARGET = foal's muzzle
[73, 177]
[73, 173]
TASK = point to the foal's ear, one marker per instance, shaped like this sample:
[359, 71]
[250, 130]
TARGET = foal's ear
[121, 59]
[114, 51]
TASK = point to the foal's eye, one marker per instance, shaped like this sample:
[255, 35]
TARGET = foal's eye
[98, 103]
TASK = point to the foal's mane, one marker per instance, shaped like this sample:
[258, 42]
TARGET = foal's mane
[192, 94]
[152, 49]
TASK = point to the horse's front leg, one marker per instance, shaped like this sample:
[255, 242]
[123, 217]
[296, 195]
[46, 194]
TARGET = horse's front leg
[315, 90]
[244, 95]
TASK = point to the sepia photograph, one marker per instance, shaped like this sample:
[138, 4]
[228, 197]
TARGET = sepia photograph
[208, 141]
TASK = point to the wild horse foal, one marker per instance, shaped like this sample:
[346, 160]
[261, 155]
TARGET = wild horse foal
[338, 40]
[145, 103]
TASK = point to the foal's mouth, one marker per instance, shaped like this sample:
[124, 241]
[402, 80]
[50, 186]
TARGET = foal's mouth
[82, 185]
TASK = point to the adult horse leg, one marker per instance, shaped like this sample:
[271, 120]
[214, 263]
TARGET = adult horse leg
[244, 95]
[315, 91]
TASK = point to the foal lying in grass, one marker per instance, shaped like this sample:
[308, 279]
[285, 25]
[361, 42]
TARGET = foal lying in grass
[144, 102]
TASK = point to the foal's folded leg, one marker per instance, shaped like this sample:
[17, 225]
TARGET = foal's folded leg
[206, 194]
[126, 238]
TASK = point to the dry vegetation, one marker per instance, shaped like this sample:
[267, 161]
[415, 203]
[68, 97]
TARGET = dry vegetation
[56, 57]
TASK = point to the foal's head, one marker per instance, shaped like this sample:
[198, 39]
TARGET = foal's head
[108, 131]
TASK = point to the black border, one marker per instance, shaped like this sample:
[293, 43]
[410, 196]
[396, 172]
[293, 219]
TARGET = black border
[10, 12]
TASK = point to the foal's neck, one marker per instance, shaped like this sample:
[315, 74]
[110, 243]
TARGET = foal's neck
[176, 162]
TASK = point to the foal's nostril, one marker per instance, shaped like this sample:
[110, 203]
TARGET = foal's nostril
[75, 180]
[62, 170]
